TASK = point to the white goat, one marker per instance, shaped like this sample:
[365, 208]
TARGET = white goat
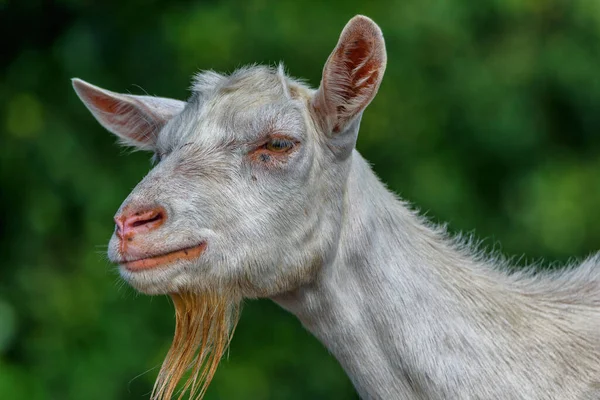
[259, 192]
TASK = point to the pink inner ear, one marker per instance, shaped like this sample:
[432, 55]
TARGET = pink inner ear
[363, 69]
[368, 71]
[104, 103]
[359, 60]
[351, 75]
[120, 113]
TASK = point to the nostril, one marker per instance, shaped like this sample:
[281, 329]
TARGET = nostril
[129, 224]
[151, 218]
[140, 222]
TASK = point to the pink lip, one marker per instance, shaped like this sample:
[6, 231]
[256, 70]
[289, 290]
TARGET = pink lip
[187, 253]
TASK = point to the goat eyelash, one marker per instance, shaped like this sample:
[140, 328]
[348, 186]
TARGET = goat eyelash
[279, 145]
[273, 150]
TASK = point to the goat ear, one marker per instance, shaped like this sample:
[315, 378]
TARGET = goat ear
[136, 120]
[351, 76]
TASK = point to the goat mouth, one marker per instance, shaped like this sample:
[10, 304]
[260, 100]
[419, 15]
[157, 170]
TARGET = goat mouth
[187, 253]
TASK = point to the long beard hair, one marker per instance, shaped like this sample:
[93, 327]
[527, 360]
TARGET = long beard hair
[204, 327]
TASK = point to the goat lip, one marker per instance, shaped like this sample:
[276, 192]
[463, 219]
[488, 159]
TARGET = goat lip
[146, 263]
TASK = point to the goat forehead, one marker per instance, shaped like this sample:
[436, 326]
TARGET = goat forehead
[237, 116]
[244, 115]
[237, 108]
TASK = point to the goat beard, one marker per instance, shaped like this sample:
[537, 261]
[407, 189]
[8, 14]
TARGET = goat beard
[204, 327]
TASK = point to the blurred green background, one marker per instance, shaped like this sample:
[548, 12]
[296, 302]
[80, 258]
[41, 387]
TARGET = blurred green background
[488, 118]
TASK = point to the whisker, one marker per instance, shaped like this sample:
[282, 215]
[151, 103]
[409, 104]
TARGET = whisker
[138, 376]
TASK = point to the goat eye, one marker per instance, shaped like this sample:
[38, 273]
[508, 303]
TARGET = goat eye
[278, 145]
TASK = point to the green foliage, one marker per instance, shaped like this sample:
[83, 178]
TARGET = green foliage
[487, 118]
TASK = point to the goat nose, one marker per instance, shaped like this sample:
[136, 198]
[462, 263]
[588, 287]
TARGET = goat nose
[131, 223]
